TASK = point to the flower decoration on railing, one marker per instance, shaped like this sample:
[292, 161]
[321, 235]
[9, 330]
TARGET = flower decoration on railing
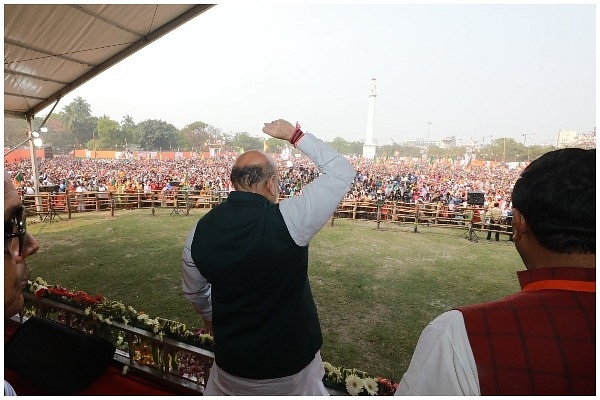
[41, 289]
[103, 311]
[356, 382]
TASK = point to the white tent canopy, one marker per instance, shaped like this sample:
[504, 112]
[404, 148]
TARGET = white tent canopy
[50, 49]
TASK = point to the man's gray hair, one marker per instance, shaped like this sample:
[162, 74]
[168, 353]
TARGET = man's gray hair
[249, 176]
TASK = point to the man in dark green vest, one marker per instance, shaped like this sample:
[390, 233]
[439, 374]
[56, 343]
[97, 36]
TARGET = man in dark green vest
[245, 269]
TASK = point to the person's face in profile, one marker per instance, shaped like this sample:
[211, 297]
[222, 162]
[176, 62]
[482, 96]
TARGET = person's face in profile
[18, 245]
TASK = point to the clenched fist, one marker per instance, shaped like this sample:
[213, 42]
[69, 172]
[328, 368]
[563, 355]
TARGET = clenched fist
[280, 129]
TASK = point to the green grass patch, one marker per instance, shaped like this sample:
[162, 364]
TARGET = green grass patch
[376, 289]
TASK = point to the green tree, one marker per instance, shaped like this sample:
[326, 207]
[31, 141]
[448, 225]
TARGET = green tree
[243, 140]
[396, 150]
[58, 136]
[215, 134]
[345, 147]
[198, 134]
[77, 118]
[273, 145]
[108, 135]
[504, 149]
[157, 135]
[355, 148]
[536, 151]
[130, 131]
[15, 131]
[436, 152]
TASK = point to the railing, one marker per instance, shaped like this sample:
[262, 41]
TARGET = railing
[52, 205]
[167, 361]
[49, 206]
[470, 219]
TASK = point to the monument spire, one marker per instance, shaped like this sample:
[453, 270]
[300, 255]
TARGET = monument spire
[369, 147]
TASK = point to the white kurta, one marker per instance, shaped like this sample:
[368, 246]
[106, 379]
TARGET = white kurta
[443, 363]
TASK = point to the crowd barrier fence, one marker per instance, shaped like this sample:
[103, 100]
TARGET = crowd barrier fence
[471, 219]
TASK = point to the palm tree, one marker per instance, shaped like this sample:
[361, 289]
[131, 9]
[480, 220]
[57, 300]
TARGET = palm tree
[77, 119]
[78, 110]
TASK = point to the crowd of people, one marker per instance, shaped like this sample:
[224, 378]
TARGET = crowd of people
[403, 179]
[540, 340]
[245, 267]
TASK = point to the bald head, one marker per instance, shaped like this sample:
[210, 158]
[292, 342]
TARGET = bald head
[251, 157]
[250, 169]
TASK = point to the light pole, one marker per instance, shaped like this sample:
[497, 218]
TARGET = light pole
[34, 140]
[36, 177]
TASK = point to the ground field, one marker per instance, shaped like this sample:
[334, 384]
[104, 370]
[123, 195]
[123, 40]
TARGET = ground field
[376, 289]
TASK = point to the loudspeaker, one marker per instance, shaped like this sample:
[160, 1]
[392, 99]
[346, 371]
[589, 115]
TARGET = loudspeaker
[48, 152]
[56, 357]
[475, 198]
[49, 188]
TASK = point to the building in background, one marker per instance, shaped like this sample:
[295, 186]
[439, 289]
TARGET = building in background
[566, 139]
[576, 139]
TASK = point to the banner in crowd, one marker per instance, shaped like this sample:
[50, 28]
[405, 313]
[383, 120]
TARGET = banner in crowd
[21, 155]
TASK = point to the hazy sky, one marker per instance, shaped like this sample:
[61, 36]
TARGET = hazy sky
[471, 71]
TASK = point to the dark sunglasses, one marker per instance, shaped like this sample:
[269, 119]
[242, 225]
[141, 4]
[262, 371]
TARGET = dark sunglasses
[16, 227]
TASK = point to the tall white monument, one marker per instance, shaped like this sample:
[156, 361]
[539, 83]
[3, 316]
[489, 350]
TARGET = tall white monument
[369, 147]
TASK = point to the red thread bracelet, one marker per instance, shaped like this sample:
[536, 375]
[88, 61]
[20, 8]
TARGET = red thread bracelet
[296, 135]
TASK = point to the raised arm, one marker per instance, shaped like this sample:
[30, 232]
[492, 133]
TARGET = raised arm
[306, 214]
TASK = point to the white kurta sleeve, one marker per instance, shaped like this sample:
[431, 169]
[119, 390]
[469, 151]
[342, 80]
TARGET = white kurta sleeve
[306, 214]
[443, 362]
[196, 288]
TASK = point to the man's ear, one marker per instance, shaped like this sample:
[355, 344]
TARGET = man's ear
[519, 224]
[271, 186]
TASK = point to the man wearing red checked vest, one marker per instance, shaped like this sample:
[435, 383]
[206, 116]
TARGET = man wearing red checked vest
[541, 340]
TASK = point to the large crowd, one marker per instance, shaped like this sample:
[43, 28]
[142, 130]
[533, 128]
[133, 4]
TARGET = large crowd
[409, 180]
